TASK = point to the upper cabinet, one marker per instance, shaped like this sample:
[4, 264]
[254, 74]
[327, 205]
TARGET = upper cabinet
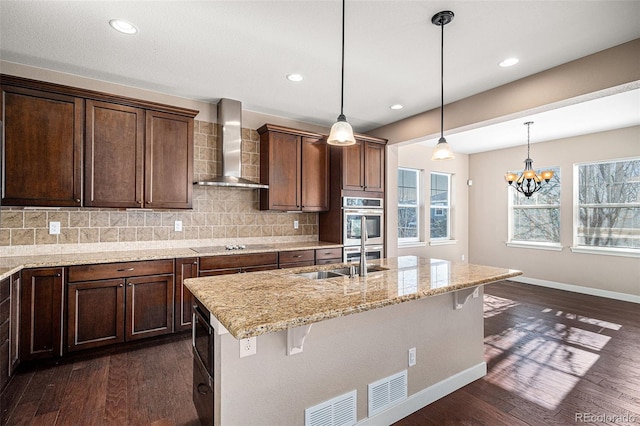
[295, 165]
[362, 165]
[136, 153]
[42, 148]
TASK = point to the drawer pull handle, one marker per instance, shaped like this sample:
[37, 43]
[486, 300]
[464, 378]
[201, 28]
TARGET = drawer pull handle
[203, 389]
[125, 269]
[297, 255]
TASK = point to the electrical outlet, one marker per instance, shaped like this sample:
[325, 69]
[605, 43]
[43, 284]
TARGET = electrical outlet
[247, 347]
[54, 228]
[296, 224]
[178, 226]
[462, 257]
[412, 357]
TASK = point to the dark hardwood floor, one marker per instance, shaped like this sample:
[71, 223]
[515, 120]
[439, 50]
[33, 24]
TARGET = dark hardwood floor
[552, 356]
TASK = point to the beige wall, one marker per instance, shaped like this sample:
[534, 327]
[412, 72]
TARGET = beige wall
[417, 156]
[346, 353]
[488, 213]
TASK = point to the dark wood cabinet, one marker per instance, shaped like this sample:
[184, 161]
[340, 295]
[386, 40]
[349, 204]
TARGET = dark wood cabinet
[41, 313]
[117, 302]
[328, 255]
[237, 263]
[5, 328]
[168, 161]
[14, 324]
[124, 152]
[42, 148]
[114, 155]
[363, 167]
[295, 165]
[296, 258]
[185, 268]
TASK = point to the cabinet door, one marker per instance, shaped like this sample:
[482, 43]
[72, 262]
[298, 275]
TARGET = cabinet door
[374, 167]
[185, 268]
[168, 161]
[283, 167]
[96, 314]
[114, 155]
[14, 332]
[41, 313]
[315, 174]
[42, 148]
[353, 167]
[149, 306]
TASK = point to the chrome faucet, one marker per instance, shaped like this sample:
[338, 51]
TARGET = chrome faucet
[363, 250]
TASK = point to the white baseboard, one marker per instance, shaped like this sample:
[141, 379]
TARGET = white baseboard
[426, 396]
[579, 289]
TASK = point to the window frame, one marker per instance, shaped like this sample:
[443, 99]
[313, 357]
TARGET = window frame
[541, 245]
[602, 250]
[448, 208]
[418, 207]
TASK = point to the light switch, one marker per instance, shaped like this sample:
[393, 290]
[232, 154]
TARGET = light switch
[54, 228]
[178, 226]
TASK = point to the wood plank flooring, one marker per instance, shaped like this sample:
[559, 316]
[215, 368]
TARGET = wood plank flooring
[551, 355]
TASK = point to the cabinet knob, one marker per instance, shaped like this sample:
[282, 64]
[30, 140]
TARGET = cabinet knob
[139, 202]
[121, 285]
[57, 275]
[77, 200]
[195, 262]
[129, 284]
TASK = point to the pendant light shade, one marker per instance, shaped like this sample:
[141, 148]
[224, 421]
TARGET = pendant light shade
[442, 150]
[341, 132]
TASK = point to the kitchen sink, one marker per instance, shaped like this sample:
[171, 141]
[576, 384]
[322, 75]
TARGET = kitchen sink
[340, 272]
[320, 275]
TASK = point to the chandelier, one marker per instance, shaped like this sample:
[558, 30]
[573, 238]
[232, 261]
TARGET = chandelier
[528, 183]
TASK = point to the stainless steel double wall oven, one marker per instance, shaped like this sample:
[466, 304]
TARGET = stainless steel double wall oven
[353, 208]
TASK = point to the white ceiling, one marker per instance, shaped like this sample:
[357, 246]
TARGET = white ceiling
[207, 50]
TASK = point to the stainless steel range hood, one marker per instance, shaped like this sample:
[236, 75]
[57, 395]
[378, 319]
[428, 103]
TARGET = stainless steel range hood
[230, 121]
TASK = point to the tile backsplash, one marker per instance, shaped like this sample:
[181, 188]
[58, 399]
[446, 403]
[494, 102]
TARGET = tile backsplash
[220, 215]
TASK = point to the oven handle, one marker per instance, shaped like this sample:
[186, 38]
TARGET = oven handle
[356, 249]
[364, 211]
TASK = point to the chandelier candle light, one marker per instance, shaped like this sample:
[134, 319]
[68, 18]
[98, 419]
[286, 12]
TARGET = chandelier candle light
[528, 182]
[341, 132]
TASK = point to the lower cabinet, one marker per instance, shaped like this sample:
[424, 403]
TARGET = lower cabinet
[236, 263]
[185, 268]
[296, 258]
[328, 255]
[41, 313]
[121, 307]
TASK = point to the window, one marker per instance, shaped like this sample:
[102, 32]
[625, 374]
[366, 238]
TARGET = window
[536, 220]
[408, 204]
[607, 214]
[440, 206]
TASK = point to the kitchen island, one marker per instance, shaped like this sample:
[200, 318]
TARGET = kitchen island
[311, 352]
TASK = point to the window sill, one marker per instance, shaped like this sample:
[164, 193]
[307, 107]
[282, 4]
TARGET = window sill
[606, 251]
[410, 244]
[442, 242]
[536, 246]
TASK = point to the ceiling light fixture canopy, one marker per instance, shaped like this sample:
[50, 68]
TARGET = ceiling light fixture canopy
[442, 150]
[528, 182]
[341, 132]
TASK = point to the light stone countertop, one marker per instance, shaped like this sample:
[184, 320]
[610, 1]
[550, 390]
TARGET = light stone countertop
[12, 264]
[257, 303]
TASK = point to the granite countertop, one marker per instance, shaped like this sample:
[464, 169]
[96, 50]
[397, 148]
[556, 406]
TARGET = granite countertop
[257, 303]
[12, 264]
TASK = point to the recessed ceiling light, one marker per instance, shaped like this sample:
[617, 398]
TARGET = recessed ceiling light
[295, 77]
[509, 62]
[123, 26]
[396, 106]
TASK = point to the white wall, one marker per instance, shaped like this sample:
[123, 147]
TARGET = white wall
[488, 213]
[417, 156]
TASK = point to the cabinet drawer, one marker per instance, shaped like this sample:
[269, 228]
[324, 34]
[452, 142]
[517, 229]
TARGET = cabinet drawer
[296, 256]
[120, 270]
[238, 260]
[5, 289]
[328, 261]
[330, 253]
[4, 311]
[297, 264]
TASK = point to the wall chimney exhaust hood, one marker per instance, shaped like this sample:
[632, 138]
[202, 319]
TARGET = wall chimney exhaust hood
[230, 121]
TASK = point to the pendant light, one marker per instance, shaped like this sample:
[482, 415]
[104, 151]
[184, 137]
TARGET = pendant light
[442, 150]
[341, 132]
[528, 182]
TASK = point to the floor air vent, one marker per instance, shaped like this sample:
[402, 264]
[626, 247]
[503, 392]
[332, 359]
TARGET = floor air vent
[339, 411]
[387, 392]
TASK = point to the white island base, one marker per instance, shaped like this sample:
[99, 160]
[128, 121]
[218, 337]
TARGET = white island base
[348, 353]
